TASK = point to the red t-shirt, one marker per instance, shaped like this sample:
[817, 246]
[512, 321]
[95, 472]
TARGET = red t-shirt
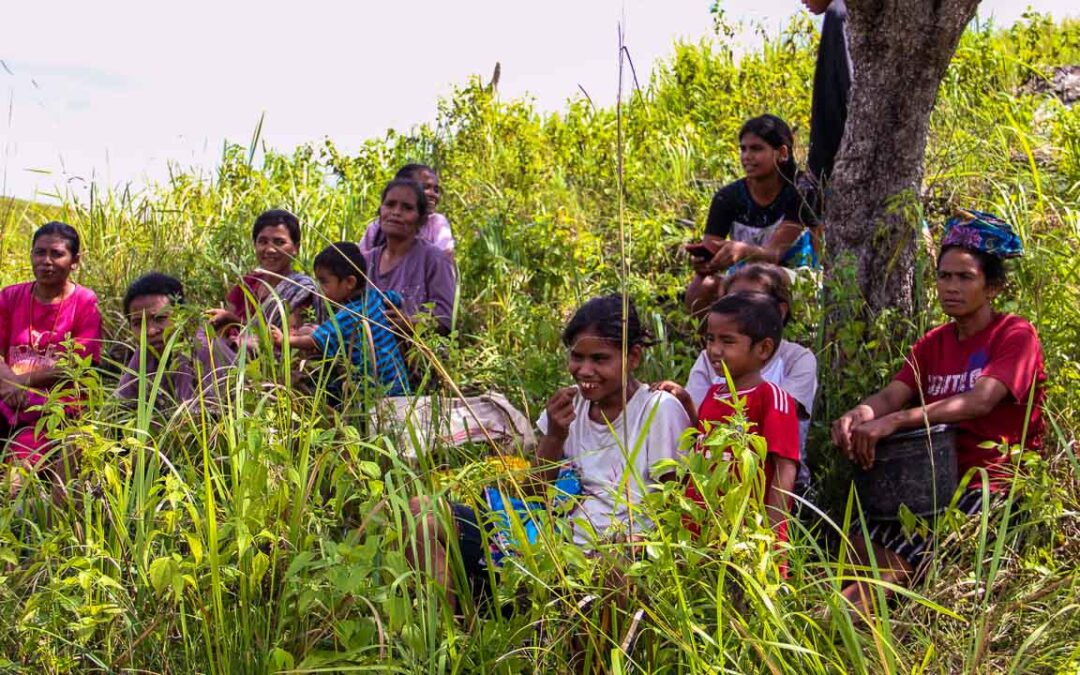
[772, 414]
[1008, 350]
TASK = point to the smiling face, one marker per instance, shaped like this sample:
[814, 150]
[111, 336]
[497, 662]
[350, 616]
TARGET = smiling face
[759, 159]
[432, 190]
[52, 260]
[275, 249]
[961, 284]
[154, 312]
[596, 364]
[336, 289]
[725, 343]
[399, 215]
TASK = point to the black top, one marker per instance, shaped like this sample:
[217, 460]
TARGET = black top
[832, 80]
[735, 214]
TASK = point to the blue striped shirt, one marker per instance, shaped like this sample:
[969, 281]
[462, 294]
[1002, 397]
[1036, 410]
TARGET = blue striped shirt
[364, 328]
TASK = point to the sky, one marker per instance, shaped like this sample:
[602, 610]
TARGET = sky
[115, 91]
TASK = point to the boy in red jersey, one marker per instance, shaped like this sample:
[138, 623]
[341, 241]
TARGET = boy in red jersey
[742, 333]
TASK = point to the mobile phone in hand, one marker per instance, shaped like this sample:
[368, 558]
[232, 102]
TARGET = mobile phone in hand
[701, 251]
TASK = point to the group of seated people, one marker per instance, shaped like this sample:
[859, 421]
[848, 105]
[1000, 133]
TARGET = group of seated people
[981, 372]
[364, 305]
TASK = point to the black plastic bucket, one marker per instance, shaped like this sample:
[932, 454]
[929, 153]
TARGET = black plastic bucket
[916, 468]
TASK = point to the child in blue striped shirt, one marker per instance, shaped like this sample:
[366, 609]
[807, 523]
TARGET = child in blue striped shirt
[361, 327]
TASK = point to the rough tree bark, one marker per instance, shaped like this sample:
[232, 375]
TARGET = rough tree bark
[900, 50]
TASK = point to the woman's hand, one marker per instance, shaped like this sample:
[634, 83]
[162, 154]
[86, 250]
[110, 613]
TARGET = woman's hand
[680, 393]
[12, 392]
[276, 336]
[731, 252]
[221, 319]
[781, 241]
[560, 412]
[703, 267]
[402, 325]
[864, 438]
[841, 428]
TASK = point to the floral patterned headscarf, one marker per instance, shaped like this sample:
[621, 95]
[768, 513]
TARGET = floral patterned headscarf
[982, 232]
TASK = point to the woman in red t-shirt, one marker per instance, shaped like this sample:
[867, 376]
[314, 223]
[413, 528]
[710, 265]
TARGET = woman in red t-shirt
[982, 373]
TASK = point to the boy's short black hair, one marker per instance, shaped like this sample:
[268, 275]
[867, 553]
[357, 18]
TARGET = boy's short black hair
[756, 314]
[277, 217]
[154, 283]
[343, 260]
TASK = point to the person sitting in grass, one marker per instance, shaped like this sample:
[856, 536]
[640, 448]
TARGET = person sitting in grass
[761, 217]
[417, 271]
[149, 305]
[39, 321]
[273, 293]
[361, 329]
[792, 367]
[743, 333]
[436, 228]
[587, 430]
[981, 372]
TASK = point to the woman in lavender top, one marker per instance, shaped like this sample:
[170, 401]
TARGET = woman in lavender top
[435, 229]
[420, 273]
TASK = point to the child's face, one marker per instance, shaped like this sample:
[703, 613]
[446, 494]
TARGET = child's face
[759, 159]
[275, 249]
[155, 313]
[726, 344]
[430, 182]
[336, 289]
[596, 364]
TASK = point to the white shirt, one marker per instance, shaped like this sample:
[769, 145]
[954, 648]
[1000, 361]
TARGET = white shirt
[614, 462]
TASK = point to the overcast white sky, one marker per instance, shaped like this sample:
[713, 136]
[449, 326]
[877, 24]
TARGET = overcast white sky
[113, 90]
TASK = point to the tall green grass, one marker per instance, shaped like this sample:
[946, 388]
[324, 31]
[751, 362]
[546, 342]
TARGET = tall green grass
[267, 533]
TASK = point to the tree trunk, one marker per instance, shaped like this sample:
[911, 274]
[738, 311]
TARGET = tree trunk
[900, 50]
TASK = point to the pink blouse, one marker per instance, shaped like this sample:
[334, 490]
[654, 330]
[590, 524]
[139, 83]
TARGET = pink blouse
[32, 336]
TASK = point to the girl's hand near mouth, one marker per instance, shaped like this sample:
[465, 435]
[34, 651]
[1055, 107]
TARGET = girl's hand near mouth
[560, 412]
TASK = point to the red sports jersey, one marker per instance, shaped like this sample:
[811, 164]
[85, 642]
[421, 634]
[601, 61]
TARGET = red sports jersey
[941, 366]
[772, 413]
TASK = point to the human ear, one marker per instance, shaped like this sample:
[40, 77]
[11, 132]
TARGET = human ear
[633, 357]
[765, 349]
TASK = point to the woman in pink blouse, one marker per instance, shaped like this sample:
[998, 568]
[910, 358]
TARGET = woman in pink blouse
[37, 318]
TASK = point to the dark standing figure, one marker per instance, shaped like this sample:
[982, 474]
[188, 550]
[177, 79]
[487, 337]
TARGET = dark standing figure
[832, 80]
